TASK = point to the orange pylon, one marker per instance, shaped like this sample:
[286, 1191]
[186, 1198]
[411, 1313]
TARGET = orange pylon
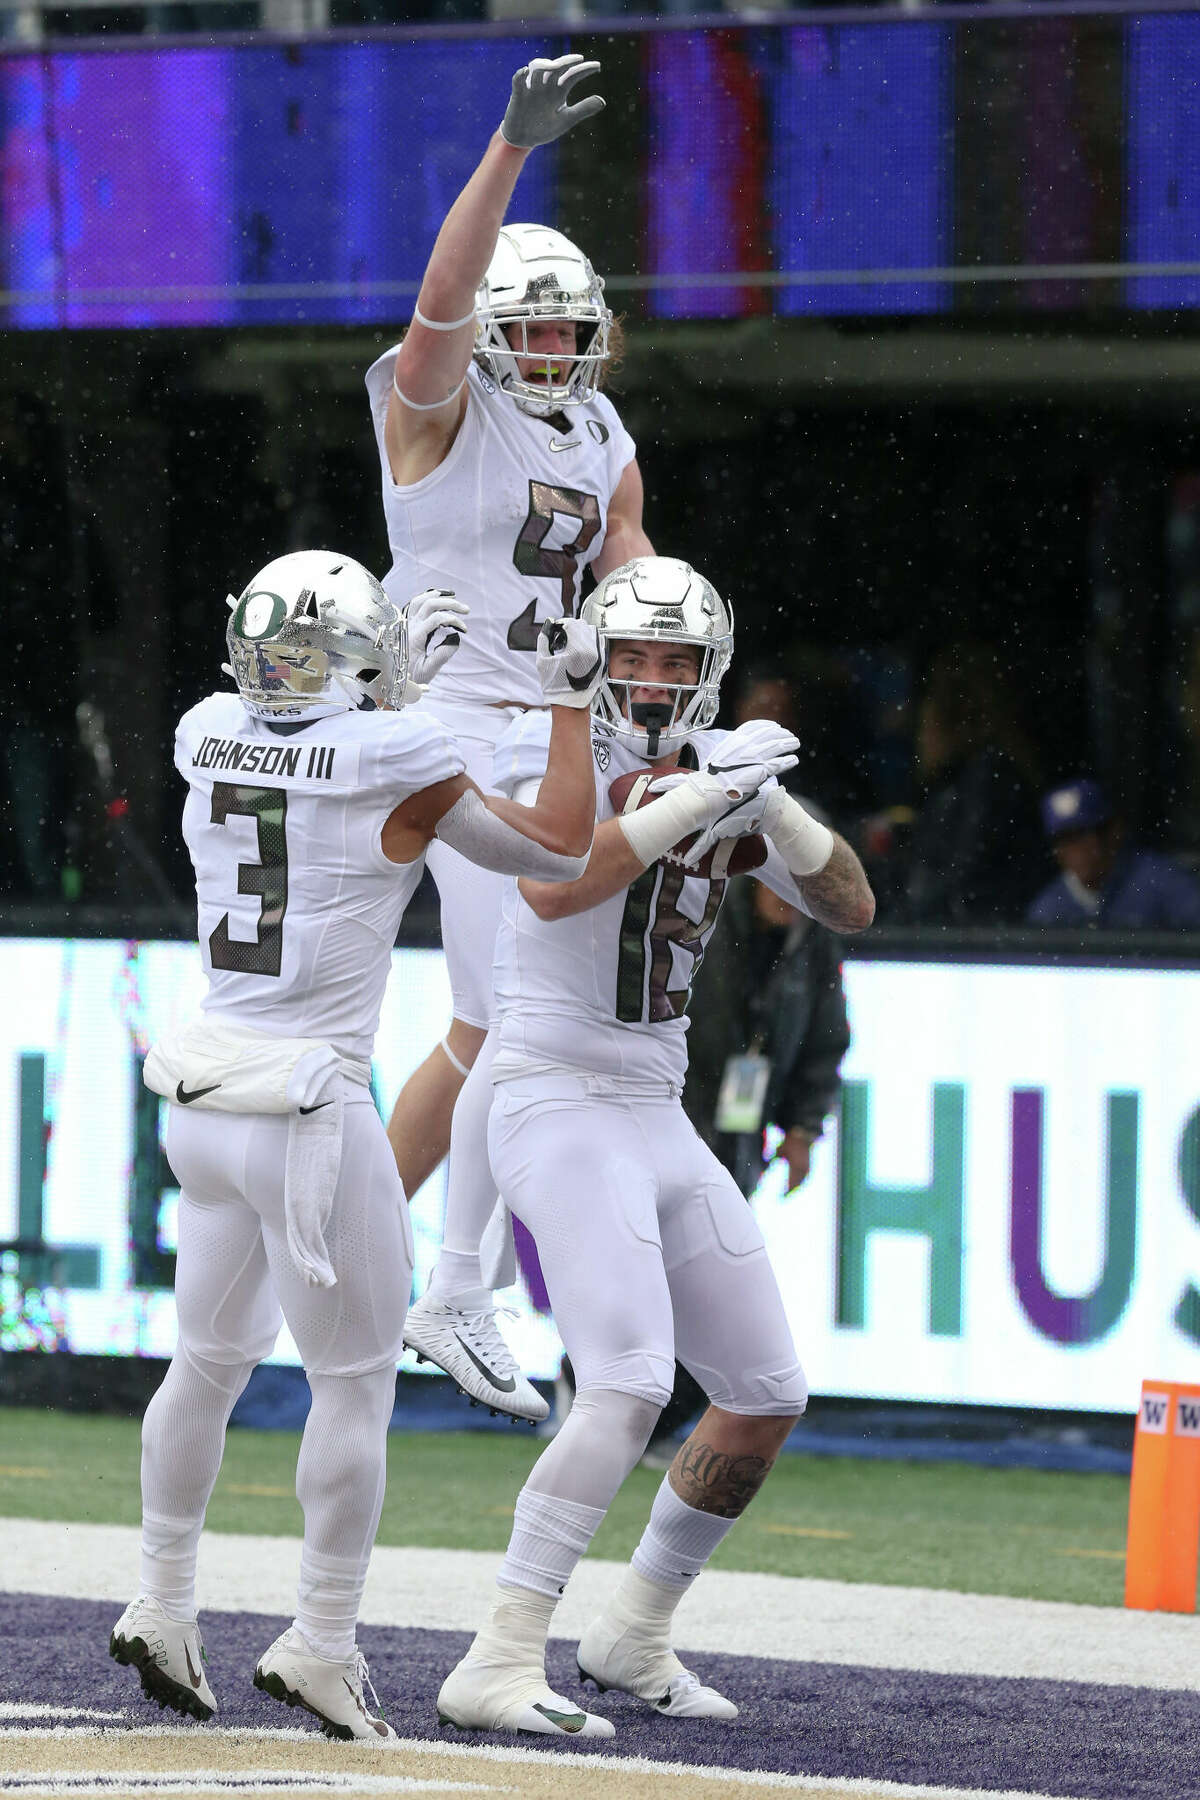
[1163, 1546]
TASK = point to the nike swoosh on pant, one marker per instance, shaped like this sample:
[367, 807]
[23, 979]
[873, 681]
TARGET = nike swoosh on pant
[505, 1384]
[185, 1099]
[316, 1108]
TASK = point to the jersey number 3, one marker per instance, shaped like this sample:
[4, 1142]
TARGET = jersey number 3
[268, 877]
[532, 558]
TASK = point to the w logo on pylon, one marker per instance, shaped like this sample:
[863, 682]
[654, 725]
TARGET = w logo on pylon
[1187, 1417]
[1162, 1553]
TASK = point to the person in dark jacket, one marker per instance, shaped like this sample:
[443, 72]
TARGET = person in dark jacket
[1103, 880]
[974, 856]
[770, 987]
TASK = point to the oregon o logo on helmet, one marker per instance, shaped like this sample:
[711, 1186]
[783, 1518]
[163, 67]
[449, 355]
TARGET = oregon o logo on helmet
[259, 614]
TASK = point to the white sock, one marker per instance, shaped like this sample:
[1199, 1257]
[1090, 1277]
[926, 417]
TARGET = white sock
[457, 1280]
[517, 1629]
[678, 1541]
[549, 1536]
[169, 1563]
[327, 1610]
[470, 1190]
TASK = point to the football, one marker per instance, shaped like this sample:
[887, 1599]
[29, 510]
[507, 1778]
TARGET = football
[730, 856]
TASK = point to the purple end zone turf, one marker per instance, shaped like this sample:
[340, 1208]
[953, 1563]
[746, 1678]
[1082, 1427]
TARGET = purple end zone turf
[1051, 1737]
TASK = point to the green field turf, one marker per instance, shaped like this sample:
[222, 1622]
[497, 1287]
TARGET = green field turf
[1029, 1533]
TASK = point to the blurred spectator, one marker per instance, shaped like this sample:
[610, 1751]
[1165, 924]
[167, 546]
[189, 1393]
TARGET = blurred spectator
[975, 856]
[1104, 881]
[816, 694]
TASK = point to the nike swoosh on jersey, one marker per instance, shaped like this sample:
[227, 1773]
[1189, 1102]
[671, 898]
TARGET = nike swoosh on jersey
[571, 444]
[193, 1673]
[505, 1383]
[316, 1108]
[185, 1099]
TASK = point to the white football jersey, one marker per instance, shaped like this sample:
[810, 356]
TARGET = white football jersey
[607, 989]
[298, 907]
[508, 520]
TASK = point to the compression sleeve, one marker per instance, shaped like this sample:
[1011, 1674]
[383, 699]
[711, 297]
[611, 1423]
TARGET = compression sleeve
[484, 838]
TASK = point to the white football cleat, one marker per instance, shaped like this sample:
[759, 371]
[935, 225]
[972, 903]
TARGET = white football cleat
[624, 1657]
[478, 1696]
[169, 1656]
[469, 1348]
[331, 1691]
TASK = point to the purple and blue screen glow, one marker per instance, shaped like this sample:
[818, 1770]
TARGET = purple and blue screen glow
[171, 187]
[261, 184]
[1163, 155]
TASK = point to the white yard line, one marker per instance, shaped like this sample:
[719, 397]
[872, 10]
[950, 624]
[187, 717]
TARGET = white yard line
[738, 1614]
[510, 1757]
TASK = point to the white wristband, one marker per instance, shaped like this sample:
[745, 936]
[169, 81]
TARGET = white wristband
[803, 842]
[654, 830]
[443, 324]
[424, 405]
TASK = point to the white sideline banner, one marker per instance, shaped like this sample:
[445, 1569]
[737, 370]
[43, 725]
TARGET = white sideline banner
[1007, 1211]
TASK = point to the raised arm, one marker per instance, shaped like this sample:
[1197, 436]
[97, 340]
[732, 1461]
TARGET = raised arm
[550, 839]
[624, 534]
[427, 401]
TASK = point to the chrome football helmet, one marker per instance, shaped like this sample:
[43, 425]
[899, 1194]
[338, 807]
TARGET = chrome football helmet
[664, 600]
[314, 634]
[537, 274]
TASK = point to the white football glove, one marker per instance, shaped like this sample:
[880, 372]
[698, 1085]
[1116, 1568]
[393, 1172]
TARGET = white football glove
[436, 622]
[537, 111]
[570, 662]
[758, 745]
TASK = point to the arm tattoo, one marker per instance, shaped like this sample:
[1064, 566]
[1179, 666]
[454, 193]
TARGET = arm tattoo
[837, 895]
[713, 1482]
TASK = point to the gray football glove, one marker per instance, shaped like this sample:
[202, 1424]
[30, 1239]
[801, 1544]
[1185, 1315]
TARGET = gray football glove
[537, 109]
[570, 662]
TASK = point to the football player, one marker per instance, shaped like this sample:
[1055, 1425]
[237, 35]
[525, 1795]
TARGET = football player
[506, 472]
[647, 1246]
[311, 803]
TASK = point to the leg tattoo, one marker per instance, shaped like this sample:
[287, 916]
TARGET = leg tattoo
[714, 1482]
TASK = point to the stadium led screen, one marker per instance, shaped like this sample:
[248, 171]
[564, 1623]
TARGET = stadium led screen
[1008, 1212]
[890, 167]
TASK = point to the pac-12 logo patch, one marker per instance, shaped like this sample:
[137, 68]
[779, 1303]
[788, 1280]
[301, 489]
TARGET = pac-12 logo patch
[603, 756]
[486, 383]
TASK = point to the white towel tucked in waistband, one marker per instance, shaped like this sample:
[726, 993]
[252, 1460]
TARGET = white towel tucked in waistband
[217, 1067]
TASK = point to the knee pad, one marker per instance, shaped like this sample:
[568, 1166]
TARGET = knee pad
[646, 1375]
[632, 1416]
[228, 1377]
[759, 1393]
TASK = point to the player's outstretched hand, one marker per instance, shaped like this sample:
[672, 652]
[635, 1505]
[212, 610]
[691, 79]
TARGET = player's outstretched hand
[538, 109]
[436, 622]
[570, 662]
